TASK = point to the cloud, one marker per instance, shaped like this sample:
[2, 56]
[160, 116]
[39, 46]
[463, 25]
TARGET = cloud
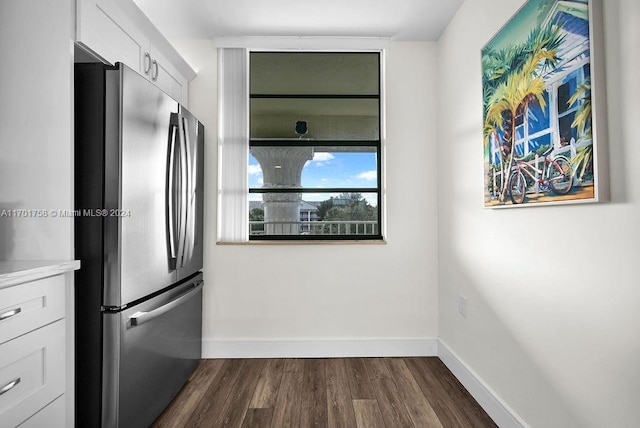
[368, 175]
[322, 157]
[318, 197]
[254, 169]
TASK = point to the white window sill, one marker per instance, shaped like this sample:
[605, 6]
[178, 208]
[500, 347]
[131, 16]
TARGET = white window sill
[309, 242]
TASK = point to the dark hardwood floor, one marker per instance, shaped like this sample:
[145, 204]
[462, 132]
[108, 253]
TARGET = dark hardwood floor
[333, 392]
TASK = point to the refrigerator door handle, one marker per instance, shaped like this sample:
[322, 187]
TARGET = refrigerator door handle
[171, 222]
[189, 202]
[140, 318]
[182, 223]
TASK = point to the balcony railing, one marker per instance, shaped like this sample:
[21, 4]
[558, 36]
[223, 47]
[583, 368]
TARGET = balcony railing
[359, 227]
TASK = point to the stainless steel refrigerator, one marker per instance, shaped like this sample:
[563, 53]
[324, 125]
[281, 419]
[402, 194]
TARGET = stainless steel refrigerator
[138, 234]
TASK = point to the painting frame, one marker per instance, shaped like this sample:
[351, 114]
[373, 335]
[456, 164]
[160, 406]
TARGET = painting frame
[543, 121]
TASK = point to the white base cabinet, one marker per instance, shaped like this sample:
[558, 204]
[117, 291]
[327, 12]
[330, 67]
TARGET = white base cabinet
[117, 31]
[32, 373]
[35, 345]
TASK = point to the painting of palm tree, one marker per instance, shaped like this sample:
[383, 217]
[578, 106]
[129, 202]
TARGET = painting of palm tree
[536, 84]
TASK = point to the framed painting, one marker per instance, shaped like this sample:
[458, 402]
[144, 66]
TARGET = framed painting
[539, 107]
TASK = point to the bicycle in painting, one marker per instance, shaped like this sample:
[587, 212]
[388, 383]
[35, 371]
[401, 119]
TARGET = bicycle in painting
[555, 174]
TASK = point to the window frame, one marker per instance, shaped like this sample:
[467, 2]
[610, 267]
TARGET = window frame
[376, 144]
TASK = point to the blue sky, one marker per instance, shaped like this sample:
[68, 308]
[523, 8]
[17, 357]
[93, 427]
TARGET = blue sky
[337, 169]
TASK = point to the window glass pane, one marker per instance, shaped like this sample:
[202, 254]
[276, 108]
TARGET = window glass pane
[495, 148]
[519, 132]
[313, 167]
[326, 119]
[567, 133]
[520, 149]
[314, 161]
[540, 144]
[304, 214]
[256, 178]
[341, 169]
[565, 91]
[321, 73]
[538, 118]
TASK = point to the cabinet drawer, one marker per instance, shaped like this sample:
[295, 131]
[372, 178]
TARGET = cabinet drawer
[52, 416]
[32, 372]
[30, 305]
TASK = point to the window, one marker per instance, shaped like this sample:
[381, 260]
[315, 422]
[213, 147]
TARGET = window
[314, 168]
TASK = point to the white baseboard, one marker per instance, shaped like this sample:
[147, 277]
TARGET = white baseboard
[495, 407]
[321, 348]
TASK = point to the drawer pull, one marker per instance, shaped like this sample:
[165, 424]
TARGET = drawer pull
[147, 63]
[140, 318]
[8, 387]
[154, 76]
[10, 313]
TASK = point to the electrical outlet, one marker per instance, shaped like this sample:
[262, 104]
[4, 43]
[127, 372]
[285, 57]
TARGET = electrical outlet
[462, 305]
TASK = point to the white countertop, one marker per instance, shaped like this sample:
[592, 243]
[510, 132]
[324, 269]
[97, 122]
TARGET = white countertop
[14, 272]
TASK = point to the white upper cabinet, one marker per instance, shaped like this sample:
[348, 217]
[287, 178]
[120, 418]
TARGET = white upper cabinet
[117, 31]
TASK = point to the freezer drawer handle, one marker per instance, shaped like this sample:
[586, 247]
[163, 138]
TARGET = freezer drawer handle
[8, 387]
[10, 314]
[140, 318]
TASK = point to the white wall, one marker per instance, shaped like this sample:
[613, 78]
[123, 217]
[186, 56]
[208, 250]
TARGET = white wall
[36, 128]
[552, 322]
[299, 293]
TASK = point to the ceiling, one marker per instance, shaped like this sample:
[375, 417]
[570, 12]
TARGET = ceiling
[414, 20]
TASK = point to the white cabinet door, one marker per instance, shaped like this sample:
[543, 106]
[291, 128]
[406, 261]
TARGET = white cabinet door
[166, 77]
[103, 28]
[117, 31]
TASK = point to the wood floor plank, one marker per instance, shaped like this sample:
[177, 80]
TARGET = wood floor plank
[376, 368]
[286, 412]
[268, 385]
[433, 389]
[368, 414]
[294, 365]
[313, 409]
[188, 399]
[391, 406]
[258, 418]
[416, 403]
[235, 408]
[438, 386]
[472, 411]
[216, 395]
[339, 403]
[359, 382]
